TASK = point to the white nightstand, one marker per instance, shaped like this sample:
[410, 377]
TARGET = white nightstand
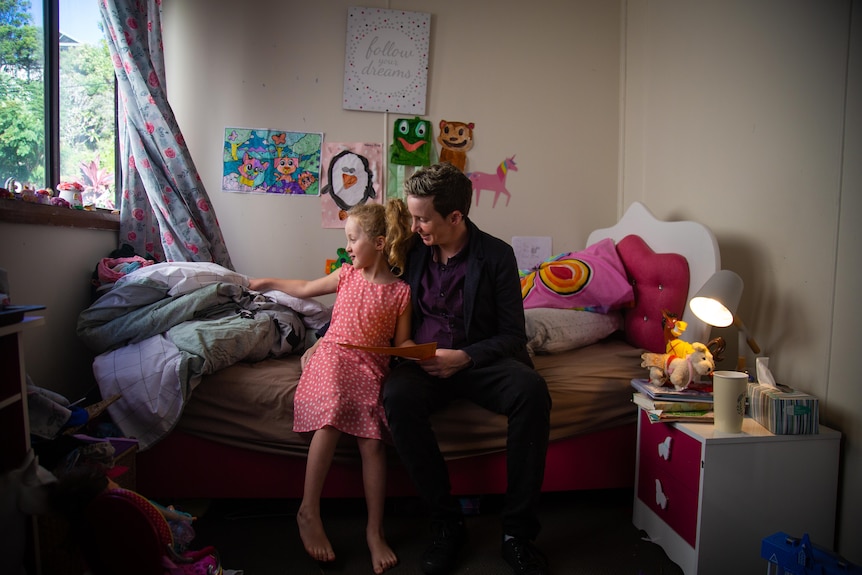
[709, 499]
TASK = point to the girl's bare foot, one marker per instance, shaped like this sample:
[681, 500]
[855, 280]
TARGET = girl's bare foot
[382, 556]
[314, 537]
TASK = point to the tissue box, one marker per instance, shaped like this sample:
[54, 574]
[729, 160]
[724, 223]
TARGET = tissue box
[794, 556]
[783, 412]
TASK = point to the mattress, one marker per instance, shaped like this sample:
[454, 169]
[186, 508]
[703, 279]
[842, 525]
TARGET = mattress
[250, 405]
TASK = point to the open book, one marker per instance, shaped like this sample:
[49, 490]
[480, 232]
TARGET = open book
[421, 351]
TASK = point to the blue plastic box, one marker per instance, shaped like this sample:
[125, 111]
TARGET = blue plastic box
[794, 556]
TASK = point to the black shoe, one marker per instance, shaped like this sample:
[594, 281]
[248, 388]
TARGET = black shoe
[524, 558]
[448, 538]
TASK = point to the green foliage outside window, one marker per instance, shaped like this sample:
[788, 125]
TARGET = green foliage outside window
[87, 108]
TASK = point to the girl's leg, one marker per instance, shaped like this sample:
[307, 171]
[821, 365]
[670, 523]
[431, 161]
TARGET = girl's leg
[320, 454]
[374, 482]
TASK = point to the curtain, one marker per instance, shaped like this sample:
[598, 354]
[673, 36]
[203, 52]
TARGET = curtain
[165, 211]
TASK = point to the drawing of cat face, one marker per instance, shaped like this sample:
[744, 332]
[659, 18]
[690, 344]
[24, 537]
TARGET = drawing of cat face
[285, 166]
[306, 179]
[252, 169]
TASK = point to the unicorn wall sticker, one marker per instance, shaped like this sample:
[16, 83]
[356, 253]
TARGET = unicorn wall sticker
[493, 182]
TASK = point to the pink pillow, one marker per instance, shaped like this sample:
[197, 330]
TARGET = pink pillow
[593, 280]
[660, 282]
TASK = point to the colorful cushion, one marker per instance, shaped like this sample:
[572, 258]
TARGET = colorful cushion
[593, 280]
[660, 282]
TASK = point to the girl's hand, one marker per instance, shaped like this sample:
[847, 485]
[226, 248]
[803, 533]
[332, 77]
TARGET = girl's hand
[256, 284]
[303, 361]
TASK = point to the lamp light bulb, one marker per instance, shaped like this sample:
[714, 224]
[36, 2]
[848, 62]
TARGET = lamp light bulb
[711, 311]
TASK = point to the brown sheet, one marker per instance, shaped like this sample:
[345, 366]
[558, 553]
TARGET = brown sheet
[251, 405]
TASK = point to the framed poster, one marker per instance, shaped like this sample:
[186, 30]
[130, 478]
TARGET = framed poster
[386, 60]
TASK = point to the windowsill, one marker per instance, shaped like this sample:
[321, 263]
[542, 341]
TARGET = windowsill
[20, 212]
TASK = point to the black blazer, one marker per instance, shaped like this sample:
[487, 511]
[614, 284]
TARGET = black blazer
[493, 307]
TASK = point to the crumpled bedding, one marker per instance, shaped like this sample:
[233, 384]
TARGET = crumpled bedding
[161, 328]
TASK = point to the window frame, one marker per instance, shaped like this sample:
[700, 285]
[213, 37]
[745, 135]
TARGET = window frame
[27, 213]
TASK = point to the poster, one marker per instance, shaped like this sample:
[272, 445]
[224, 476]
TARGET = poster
[386, 60]
[350, 175]
[271, 161]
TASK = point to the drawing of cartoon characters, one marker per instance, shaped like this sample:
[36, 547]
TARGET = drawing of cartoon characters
[252, 171]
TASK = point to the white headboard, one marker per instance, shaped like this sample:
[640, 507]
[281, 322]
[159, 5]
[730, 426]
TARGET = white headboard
[692, 240]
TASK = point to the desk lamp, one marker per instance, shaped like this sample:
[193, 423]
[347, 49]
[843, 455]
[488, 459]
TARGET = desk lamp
[715, 303]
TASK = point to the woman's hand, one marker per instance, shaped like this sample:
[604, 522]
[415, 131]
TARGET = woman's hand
[446, 363]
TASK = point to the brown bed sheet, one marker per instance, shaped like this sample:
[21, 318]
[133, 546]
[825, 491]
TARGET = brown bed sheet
[251, 405]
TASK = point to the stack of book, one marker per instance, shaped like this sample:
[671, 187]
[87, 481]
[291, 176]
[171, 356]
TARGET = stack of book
[668, 404]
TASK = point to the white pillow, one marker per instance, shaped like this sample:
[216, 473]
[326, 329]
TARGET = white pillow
[555, 330]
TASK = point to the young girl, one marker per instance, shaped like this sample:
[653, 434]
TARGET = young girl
[339, 390]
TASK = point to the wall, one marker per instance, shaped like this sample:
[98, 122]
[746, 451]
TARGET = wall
[280, 65]
[52, 266]
[745, 116]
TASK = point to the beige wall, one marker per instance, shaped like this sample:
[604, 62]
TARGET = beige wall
[746, 116]
[52, 266]
[280, 65]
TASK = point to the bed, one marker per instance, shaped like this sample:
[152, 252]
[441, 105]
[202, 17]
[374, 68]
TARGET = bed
[223, 428]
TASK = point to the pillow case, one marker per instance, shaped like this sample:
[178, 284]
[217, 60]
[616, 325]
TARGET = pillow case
[593, 279]
[556, 330]
[660, 282]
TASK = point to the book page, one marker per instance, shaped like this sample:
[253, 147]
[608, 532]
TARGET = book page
[421, 351]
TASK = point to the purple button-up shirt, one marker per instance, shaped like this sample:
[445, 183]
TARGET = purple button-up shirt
[441, 302]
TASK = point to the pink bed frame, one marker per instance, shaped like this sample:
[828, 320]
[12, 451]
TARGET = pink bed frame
[188, 466]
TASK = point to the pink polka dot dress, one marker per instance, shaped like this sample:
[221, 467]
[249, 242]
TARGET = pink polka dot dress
[340, 387]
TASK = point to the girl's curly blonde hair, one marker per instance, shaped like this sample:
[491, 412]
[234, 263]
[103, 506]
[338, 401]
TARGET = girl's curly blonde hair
[393, 222]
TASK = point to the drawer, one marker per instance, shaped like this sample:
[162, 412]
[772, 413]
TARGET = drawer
[668, 479]
[671, 500]
[666, 450]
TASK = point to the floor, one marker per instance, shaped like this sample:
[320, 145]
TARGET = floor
[584, 533]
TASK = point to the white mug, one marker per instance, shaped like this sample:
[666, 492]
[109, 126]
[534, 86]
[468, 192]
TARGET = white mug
[728, 393]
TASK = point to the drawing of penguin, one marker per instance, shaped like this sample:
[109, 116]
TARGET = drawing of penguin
[350, 181]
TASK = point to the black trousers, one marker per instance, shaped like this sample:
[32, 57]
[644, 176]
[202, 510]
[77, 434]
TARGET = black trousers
[508, 387]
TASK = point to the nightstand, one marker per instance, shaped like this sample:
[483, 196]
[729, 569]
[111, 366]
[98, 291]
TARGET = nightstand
[708, 499]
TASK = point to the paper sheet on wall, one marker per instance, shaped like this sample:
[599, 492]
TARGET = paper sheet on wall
[530, 251]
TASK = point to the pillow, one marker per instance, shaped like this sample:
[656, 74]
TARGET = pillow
[555, 330]
[660, 282]
[593, 279]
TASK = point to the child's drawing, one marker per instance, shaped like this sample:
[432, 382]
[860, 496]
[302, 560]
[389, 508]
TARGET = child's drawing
[271, 161]
[351, 176]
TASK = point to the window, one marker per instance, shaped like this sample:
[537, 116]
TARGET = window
[57, 98]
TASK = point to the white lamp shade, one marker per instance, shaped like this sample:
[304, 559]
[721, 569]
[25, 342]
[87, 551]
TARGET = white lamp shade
[715, 303]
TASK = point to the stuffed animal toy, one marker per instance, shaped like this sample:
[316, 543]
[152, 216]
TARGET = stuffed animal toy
[680, 372]
[673, 329]
[456, 139]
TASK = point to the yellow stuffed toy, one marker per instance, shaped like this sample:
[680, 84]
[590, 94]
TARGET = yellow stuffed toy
[679, 371]
[673, 329]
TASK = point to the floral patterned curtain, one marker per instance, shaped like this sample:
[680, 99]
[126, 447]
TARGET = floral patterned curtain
[165, 210]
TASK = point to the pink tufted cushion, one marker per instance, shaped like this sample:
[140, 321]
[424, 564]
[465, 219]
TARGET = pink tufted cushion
[660, 282]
